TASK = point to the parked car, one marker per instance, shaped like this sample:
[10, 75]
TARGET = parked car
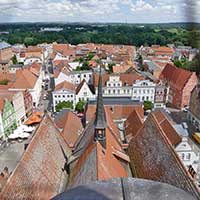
[196, 136]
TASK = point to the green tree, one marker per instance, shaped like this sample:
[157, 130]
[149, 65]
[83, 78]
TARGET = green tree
[64, 104]
[90, 56]
[140, 61]
[110, 68]
[14, 59]
[4, 82]
[148, 105]
[80, 106]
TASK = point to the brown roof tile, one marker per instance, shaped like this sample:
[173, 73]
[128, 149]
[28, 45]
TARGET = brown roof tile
[132, 125]
[176, 76]
[125, 78]
[65, 85]
[39, 174]
[72, 129]
[153, 157]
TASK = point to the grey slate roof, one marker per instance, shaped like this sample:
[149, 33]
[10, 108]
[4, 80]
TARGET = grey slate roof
[117, 101]
[125, 189]
[4, 45]
[100, 120]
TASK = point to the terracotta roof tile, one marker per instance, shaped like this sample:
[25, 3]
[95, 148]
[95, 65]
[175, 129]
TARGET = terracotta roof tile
[132, 125]
[167, 128]
[176, 76]
[72, 129]
[120, 69]
[125, 78]
[65, 85]
[39, 174]
[97, 162]
[153, 157]
[25, 79]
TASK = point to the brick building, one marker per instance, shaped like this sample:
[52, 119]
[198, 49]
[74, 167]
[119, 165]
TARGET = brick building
[181, 82]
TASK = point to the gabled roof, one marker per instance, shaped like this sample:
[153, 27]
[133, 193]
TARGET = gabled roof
[153, 157]
[80, 86]
[176, 76]
[125, 78]
[72, 129]
[132, 125]
[167, 128]
[40, 172]
[65, 85]
[25, 79]
[95, 161]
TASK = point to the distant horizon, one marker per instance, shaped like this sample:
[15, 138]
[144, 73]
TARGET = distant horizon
[81, 22]
[100, 11]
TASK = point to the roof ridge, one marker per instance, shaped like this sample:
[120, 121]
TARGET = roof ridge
[187, 176]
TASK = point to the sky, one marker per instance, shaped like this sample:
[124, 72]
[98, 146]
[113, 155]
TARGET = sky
[124, 11]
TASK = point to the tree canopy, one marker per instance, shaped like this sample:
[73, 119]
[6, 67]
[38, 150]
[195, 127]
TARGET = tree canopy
[80, 106]
[64, 104]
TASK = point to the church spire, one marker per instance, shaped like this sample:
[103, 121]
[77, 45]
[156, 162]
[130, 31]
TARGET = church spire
[100, 120]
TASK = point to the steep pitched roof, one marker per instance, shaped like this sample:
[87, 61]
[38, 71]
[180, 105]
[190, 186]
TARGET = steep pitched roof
[132, 125]
[40, 173]
[80, 86]
[95, 161]
[25, 79]
[167, 128]
[153, 157]
[72, 129]
[65, 85]
[176, 76]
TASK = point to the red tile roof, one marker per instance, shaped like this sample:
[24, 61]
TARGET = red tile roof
[65, 85]
[153, 157]
[120, 69]
[72, 129]
[117, 111]
[39, 174]
[98, 162]
[132, 125]
[25, 79]
[167, 128]
[125, 78]
[176, 76]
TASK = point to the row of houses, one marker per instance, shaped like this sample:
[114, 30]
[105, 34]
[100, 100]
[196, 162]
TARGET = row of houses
[15, 108]
[97, 151]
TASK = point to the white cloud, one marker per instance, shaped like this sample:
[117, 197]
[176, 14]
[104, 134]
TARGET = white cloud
[98, 10]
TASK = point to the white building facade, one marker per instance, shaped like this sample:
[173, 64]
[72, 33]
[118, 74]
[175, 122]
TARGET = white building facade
[19, 107]
[75, 77]
[84, 93]
[187, 154]
[140, 90]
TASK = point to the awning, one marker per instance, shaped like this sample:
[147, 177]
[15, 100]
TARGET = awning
[33, 119]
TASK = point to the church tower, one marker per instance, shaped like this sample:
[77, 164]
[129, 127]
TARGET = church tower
[100, 120]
